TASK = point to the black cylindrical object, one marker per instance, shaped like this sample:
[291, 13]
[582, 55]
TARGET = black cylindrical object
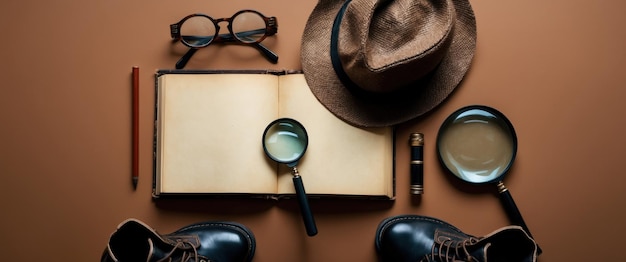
[416, 141]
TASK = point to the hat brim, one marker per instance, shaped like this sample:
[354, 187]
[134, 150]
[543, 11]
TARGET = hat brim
[425, 96]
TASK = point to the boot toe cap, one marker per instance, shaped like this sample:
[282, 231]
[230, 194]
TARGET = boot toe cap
[408, 237]
[222, 241]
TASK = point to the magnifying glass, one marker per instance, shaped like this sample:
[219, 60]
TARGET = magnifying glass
[478, 145]
[285, 140]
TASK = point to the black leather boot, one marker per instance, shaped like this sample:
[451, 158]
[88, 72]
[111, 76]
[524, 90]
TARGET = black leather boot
[420, 238]
[135, 241]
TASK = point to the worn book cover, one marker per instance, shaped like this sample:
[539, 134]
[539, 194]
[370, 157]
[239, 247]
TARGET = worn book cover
[208, 131]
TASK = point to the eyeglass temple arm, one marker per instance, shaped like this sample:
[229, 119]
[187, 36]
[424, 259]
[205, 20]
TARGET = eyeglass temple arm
[182, 62]
[222, 37]
[269, 55]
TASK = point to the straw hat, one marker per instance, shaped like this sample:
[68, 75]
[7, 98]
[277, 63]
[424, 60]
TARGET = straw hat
[383, 62]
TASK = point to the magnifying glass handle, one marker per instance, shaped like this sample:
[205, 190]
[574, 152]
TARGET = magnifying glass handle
[307, 216]
[512, 211]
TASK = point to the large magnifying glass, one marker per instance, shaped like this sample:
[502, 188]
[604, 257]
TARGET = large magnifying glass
[285, 140]
[478, 144]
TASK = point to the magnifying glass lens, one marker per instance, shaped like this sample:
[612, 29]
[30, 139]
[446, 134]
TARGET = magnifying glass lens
[477, 146]
[285, 141]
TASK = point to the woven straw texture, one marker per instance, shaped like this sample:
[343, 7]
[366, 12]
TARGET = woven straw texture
[410, 54]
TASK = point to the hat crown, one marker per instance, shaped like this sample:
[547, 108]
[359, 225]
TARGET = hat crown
[411, 55]
[386, 45]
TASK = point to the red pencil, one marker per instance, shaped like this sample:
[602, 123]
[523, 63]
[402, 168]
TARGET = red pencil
[135, 112]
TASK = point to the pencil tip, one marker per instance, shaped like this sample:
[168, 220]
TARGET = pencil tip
[135, 181]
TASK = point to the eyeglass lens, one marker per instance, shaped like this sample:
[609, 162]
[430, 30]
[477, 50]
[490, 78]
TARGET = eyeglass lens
[199, 31]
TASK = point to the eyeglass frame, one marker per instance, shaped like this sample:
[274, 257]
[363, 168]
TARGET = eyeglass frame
[271, 28]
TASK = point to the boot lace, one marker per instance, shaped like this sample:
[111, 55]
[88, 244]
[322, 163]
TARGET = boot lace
[450, 251]
[186, 256]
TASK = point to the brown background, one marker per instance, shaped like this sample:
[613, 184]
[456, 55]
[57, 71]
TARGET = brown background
[555, 68]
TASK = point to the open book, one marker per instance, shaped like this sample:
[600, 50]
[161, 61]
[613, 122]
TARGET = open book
[208, 131]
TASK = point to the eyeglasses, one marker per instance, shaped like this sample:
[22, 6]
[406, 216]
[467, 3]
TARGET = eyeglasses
[246, 27]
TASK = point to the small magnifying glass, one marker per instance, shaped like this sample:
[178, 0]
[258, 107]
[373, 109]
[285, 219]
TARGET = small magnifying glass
[478, 145]
[285, 140]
